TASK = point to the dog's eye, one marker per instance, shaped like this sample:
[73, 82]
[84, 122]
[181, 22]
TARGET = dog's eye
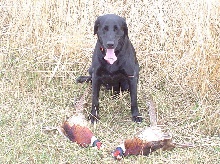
[115, 28]
[106, 28]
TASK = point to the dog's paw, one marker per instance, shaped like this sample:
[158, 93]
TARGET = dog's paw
[137, 119]
[83, 79]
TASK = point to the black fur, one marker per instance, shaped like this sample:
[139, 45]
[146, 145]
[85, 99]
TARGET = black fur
[112, 32]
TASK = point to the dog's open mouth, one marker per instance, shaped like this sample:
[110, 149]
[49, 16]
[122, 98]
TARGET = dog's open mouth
[110, 56]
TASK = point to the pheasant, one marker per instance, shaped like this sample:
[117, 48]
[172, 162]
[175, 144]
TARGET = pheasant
[149, 140]
[76, 127]
[76, 130]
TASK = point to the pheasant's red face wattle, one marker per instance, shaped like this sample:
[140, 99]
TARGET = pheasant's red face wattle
[98, 144]
[116, 153]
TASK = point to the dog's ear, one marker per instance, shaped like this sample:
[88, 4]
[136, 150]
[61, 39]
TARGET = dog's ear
[125, 27]
[96, 26]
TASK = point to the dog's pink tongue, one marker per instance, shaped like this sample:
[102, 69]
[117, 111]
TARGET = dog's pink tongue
[110, 56]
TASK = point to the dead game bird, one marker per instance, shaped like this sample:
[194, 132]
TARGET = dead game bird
[149, 140]
[76, 127]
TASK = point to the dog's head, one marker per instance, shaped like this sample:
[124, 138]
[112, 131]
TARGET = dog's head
[111, 30]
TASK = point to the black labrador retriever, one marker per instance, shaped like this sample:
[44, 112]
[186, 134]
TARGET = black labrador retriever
[114, 63]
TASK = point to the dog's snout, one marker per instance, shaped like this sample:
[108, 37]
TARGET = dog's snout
[110, 44]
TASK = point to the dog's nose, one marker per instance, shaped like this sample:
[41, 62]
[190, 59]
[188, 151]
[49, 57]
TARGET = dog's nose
[110, 44]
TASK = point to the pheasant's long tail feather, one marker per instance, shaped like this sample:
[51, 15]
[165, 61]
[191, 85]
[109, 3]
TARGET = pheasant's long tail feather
[152, 112]
[79, 105]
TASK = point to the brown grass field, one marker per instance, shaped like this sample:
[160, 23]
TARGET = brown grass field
[46, 45]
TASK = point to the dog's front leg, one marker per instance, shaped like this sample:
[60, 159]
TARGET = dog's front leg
[136, 117]
[95, 99]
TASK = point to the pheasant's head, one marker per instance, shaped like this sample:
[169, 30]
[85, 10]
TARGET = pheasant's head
[98, 144]
[118, 153]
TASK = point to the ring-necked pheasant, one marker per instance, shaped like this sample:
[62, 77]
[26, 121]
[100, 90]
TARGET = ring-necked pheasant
[76, 127]
[149, 140]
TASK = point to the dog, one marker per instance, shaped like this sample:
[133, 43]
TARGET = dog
[114, 63]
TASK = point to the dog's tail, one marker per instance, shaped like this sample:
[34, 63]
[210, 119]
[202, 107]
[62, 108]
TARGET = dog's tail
[83, 79]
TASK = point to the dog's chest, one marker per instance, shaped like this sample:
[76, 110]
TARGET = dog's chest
[112, 74]
[112, 80]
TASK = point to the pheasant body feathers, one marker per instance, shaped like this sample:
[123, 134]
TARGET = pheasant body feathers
[79, 134]
[76, 127]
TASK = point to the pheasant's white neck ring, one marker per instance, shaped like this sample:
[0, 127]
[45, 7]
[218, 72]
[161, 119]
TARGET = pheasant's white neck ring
[93, 139]
[122, 146]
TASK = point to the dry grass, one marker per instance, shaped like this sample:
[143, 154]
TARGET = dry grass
[45, 45]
